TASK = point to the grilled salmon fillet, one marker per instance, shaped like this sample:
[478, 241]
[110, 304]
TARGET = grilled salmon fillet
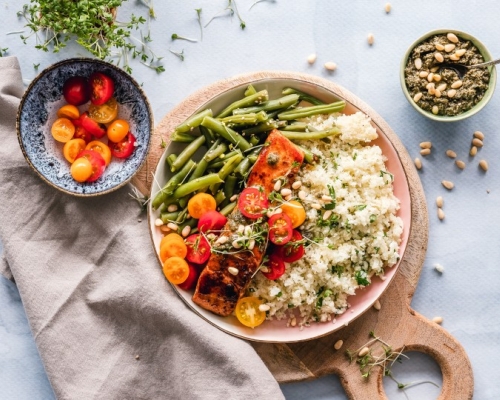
[217, 290]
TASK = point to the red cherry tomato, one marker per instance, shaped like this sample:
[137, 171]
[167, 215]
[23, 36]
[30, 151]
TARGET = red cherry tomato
[192, 278]
[198, 249]
[275, 266]
[94, 128]
[124, 148]
[76, 90]
[252, 202]
[102, 88]
[280, 229]
[81, 133]
[96, 160]
[293, 250]
[211, 221]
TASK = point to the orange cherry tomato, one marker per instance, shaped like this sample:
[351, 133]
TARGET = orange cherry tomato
[117, 130]
[68, 111]
[173, 248]
[295, 211]
[81, 169]
[176, 270]
[72, 148]
[171, 236]
[101, 148]
[200, 203]
[248, 313]
[104, 113]
[62, 130]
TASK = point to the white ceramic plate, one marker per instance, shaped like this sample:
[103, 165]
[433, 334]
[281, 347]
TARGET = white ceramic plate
[276, 331]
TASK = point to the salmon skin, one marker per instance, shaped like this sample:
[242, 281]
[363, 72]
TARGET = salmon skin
[218, 290]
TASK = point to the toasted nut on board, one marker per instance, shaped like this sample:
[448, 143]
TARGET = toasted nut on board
[439, 202]
[437, 320]
[451, 153]
[425, 152]
[473, 151]
[484, 165]
[418, 163]
[338, 344]
[479, 135]
[425, 145]
[440, 214]
[460, 164]
[377, 306]
[448, 184]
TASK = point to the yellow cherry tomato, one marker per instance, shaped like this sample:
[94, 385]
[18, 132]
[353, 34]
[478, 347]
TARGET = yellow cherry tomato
[117, 130]
[101, 148]
[173, 248]
[295, 211]
[200, 203]
[248, 313]
[176, 270]
[62, 130]
[81, 169]
[68, 111]
[104, 113]
[72, 148]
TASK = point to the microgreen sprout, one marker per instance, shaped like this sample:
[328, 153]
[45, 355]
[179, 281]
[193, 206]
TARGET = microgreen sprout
[175, 36]
[3, 51]
[232, 9]
[260, 1]
[198, 14]
[178, 54]
[35, 66]
[140, 198]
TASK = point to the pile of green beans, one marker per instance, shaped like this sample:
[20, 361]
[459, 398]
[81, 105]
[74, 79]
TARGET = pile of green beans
[233, 139]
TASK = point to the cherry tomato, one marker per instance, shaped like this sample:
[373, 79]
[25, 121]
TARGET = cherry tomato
[176, 270]
[104, 113]
[101, 148]
[275, 267]
[124, 148]
[248, 313]
[76, 90]
[97, 162]
[81, 133]
[81, 169]
[91, 126]
[295, 211]
[62, 130]
[72, 148]
[252, 202]
[280, 228]
[293, 250]
[117, 130]
[173, 248]
[198, 249]
[211, 221]
[201, 203]
[101, 88]
[68, 111]
[192, 278]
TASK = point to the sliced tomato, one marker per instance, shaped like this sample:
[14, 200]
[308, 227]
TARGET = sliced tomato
[101, 148]
[192, 278]
[102, 88]
[93, 127]
[72, 148]
[97, 162]
[81, 133]
[198, 249]
[124, 148]
[211, 221]
[248, 312]
[253, 202]
[76, 90]
[275, 267]
[62, 130]
[280, 228]
[293, 250]
[104, 113]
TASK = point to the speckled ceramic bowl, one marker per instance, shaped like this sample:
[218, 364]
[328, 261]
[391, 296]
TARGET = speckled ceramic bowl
[37, 112]
[487, 57]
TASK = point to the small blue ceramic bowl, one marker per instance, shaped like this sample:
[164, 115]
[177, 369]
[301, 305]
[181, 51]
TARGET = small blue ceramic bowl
[37, 112]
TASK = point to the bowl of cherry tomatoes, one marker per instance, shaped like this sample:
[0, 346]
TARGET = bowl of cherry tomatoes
[84, 126]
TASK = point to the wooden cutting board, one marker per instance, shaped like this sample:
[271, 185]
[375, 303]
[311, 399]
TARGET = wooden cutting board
[396, 322]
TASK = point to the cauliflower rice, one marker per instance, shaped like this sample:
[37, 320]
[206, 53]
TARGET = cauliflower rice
[358, 240]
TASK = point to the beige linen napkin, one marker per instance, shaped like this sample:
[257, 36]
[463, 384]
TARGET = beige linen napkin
[105, 320]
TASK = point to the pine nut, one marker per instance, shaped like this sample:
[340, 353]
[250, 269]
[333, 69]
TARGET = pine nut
[425, 145]
[338, 344]
[454, 57]
[327, 214]
[363, 352]
[370, 39]
[311, 59]
[264, 307]
[449, 47]
[460, 52]
[165, 229]
[448, 184]
[477, 142]
[452, 37]
[439, 201]
[233, 271]
[302, 195]
[439, 47]
[233, 197]
[437, 320]
[436, 77]
[479, 135]
[158, 222]
[236, 244]
[387, 8]
[434, 69]
[430, 85]
[451, 153]
[172, 208]
[430, 77]
[418, 163]
[442, 87]
[316, 206]
[484, 165]
[451, 93]
[473, 151]
[172, 226]
[296, 185]
[456, 84]
[293, 322]
[330, 66]
[286, 192]
[247, 231]
[222, 240]
[439, 268]
[186, 231]
[439, 57]
[277, 185]
[264, 269]
[326, 198]
[425, 152]
[251, 244]
[435, 110]
[437, 93]
[423, 74]
[377, 306]
[440, 214]
[418, 63]
[241, 228]
[460, 164]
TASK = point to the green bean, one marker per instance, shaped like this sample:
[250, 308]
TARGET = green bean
[172, 184]
[203, 164]
[191, 222]
[250, 90]
[183, 201]
[228, 168]
[196, 184]
[229, 185]
[296, 126]
[242, 168]
[260, 128]
[219, 197]
[313, 110]
[193, 121]
[227, 133]
[253, 158]
[250, 100]
[303, 96]
[245, 119]
[169, 216]
[311, 135]
[219, 162]
[182, 137]
[213, 154]
[271, 105]
[254, 140]
[209, 135]
[228, 209]
[170, 159]
[187, 153]
[182, 216]
[309, 156]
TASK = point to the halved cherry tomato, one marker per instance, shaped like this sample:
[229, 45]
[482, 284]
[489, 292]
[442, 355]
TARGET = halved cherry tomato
[171, 236]
[101, 148]
[104, 113]
[295, 211]
[201, 203]
[124, 148]
[72, 148]
[198, 249]
[252, 202]
[211, 221]
[293, 250]
[76, 90]
[192, 278]
[97, 162]
[62, 130]
[173, 248]
[81, 169]
[248, 312]
[81, 133]
[68, 111]
[176, 270]
[101, 88]
[93, 127]
[280, 228]
[275, 267]
[117, 130]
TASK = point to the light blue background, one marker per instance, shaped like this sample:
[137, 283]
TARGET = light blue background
[279, 36]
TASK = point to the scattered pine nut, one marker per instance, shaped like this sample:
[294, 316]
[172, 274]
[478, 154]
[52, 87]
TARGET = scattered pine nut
[439, 268]
[451, 93]
[439, 201]
[423, 74]
[439, 47]
[158, 222]
[473, 151]
[330, 66]
[137, 357]
[286, 192]
[172, 208]
[387, 8]
[377, 306]
[440, 214]
[277, 185]
[425, 145]
[460, 164]
[363, 352]
[316, 206]
[165, 229]
[451, 154]
[437, 320]
[449, 47]
[311, 59]
[442, 87]
[370, 39]
[296, 185]
[327, 214]
[186, 231]
[448, 184]
[293, 322]
[430, 77]
[172, 226]
[479, 135]
[477, 142]
[233, 197]
[418, 63]
[418, 163]
[264, 307]
[460, 52]
[484, 165]
[435, 109]
[454, 57]
[338, 344]
[439, 57]
[436, 77]
[452, 37]
[302, 195]
[456, 84]
[425, 152]
[437, 93]
[233, 271]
